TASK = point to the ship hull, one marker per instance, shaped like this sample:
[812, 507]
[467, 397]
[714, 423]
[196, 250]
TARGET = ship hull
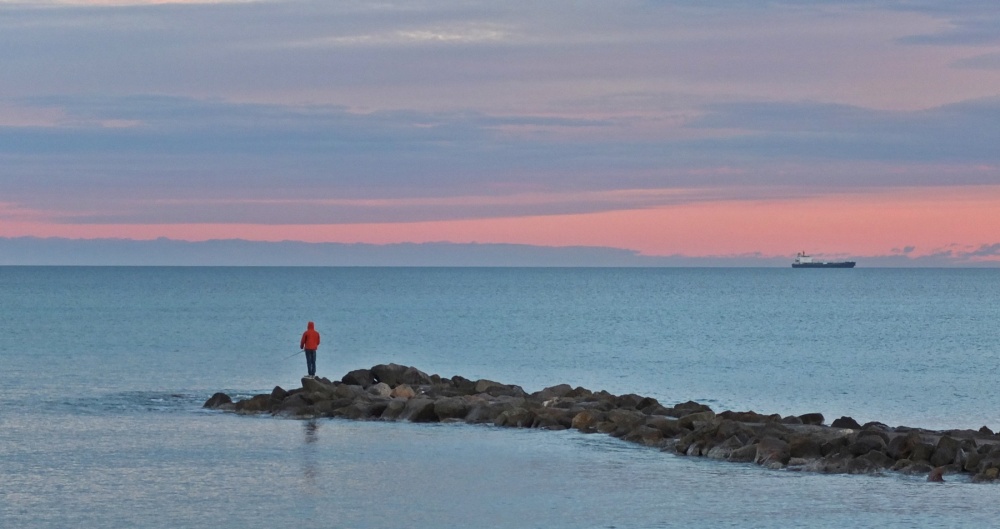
[844, 264]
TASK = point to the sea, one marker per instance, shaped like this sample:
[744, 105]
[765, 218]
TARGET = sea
[104, 370]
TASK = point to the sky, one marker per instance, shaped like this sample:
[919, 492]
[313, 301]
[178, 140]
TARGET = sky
[665, 127]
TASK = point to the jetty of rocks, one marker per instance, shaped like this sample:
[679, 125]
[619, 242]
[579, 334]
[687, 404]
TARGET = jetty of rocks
[391, 392]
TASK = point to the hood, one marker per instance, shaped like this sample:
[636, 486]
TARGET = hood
[310, 326]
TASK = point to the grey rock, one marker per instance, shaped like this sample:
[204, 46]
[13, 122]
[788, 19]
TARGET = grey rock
[359, 377]
[553, 419]
[812, 418]
[771, 449]
[394, 409]
[725, 449]
[846, 422]
[217, 400]
[745, 454]
[380, 390]
[391, 374]
[483, 385]
[552, 392]
[687, 408]
[419, 409]
[945, 452]
[255, 404]
[688, 421]
[451, 408]
[516, 418]
[804, 447]
[586, 421]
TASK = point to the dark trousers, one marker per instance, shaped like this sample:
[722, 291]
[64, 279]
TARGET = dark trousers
[311, 361]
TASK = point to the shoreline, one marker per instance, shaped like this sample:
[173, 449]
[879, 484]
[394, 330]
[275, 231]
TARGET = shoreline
[392, 392]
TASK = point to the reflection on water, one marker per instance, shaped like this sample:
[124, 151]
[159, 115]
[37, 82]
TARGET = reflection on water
[310, 464]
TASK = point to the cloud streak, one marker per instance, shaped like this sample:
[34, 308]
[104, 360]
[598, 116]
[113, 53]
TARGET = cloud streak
[182, 151]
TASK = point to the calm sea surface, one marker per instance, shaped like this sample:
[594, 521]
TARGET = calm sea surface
[103, 372]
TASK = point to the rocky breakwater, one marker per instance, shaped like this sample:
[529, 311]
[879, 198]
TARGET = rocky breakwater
[401, 393]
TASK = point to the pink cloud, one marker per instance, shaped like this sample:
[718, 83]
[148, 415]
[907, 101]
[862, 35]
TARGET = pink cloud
[847, 224]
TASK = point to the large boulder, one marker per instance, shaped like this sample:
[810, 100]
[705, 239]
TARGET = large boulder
[451, 408]
[699, 441]
[625, 420]
[846, 422]
[669, 427]
[878, 459]
[463, 385]
[402, 391]
[987, 476]
[359, 377]
[483, 385]
[772, 450]
[830, 464]
[945, 452]
[863, 465]
[922, 452]
[415, 377]
[317, 385]
[644, 435]
[725, 449]
[419, 410]
[218, 400]
[913, 468]
[586, 421]
[553, 392]
[812, 418]
[743, 454]
[510, 391]
[485, 411]
[516, 417]
[901, 446]
[749, 416]
[553, 419]
[391, 374]
[297, 404]
[972, 461]
[691, 420]
[834, 446]
[655, 409]
[362, 410]
[380, 390]
[344, 391]
[804, 447]
[864, 444]
[741, 431]
[687, 408]
[255, 404]
[393, 410]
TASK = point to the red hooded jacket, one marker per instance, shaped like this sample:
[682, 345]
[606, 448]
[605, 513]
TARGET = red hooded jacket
[310, 338]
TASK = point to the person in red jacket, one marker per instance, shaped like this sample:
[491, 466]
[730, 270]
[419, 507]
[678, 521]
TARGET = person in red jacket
[310, 342]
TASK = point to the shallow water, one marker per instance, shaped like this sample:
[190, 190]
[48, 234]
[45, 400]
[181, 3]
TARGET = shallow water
[105, 370]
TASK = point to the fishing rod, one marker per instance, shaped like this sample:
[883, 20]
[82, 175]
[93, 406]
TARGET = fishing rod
[296, 354]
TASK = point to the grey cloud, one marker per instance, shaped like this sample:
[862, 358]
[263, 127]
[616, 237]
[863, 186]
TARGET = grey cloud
[983, 29]
[986, 250]
[987, 61]
[966, 132]
[276, 48]
[183, 149]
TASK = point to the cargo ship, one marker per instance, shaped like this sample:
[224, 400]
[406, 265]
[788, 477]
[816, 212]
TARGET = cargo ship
[805, 261]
